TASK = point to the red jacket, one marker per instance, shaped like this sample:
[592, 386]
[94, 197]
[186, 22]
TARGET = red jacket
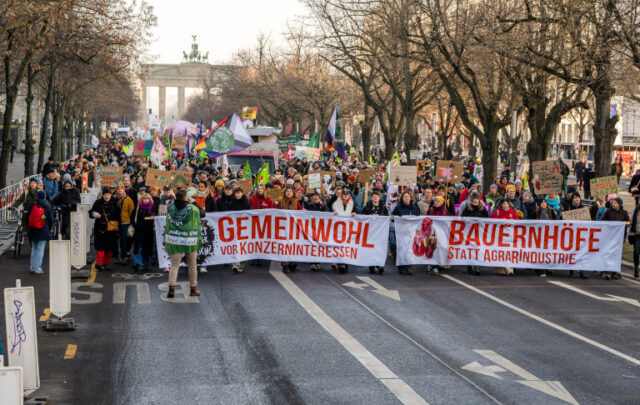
[465, 193]
[499, 213]
[258, 203]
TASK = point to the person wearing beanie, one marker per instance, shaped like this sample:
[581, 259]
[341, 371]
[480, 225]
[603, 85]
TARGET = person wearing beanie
[67, 201]
[614, 212]
[576, 202]
[530, 205]
[50, 165]
[438, 208]
[566, 201]
[51, 185]
[105, 228]
[518, 185]
[40, 219]
[475, 209]
[492, 196]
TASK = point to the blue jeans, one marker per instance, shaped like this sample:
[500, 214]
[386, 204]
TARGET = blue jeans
[392, 243]
[37, 254]
[125, 246]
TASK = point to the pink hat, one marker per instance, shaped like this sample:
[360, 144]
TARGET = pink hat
[611, 197]
[290, 182]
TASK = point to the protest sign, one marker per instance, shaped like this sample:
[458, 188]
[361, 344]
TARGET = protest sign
[364, 175]
[547, 177]
[180, 179]
[283, 235]
[111, 175]
[312, 154]
[315, 180]
[538, 244]
[581, 214]
[604, 186]
[160, 178]
[415, 154]
[178, 142]
[327, 182]
[138, 147]
[104, 141]
[403, 175]
[449, 170]
[276, 194]
[246, 185]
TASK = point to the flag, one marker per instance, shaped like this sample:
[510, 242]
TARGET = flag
[128, 149]
[263, 174]
[290, 153]
[314, 142]
[247, 171]
[227, 137]
[333, 132]
[148, 146]
[94, 141]
[158, 152]
[169, 144]
[225, 166]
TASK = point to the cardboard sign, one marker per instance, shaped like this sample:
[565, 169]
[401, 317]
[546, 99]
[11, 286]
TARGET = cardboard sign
[276, 194]
[111, 176]
[327, 180]
[403, 175]
[178, 142]
[547, 177]
[449, 170]
[138, 148]
[364, 175]
[104, 141]
[312, 154]
[160, 178]
[604, 186]
[315, 180]
[246, 185]
[581, 214]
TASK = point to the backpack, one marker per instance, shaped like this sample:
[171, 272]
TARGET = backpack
[36, 217]
[564, 169]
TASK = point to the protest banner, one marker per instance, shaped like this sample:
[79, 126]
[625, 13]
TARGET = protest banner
[415, 154]
[283, 235]
[246, 185]
[449, 170]
[364, 175]
[403, 175]
[138, 147]
[604, 186]
[581, 214]
[312, 154]
[537, 244]
[178, 142]
[111, 175]
[547, 177]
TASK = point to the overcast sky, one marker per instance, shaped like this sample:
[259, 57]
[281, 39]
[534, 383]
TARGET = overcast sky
[222, 26]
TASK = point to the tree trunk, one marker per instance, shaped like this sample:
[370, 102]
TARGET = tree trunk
[7, 144]
[45, 123]
[57, 130]
[411, 137]
[604, 131]
[28, 136]
[489, 157]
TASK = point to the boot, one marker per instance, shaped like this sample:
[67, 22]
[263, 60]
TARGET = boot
[380, 270]
[194, 292]
[172, 291]
[372, 269]
[635, 272]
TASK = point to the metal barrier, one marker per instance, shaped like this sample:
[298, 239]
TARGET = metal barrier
[9, 195]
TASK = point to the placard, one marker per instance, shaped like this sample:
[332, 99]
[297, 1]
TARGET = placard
[327, 181]
[415, 154]
[276, 194]
[60, 277]
[138, 147]
[581, 214]
[104, 141]
[547, 177]
[364, 175]
[22, 336]
[181, 179]
[315, 180]
[246, 185]
[403, 175]
[604, 186]
[178, 142]
[160, 178]
[111, 176]
[449, 170]
[312, 154]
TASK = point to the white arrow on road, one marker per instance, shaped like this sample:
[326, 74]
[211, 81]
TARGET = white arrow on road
[486, 370]
[609, 297]
[552, 388]
[377, 287]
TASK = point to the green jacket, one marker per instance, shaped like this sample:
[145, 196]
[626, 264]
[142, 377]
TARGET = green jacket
[183, 230]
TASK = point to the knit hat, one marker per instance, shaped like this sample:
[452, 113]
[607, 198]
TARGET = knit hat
[493, 187]
[438, 198]
[611, 197]
[511, 187]
[106, 190]
[460, 185]
[528, 194]
[475, 194]
[34, 179]
[517, 182]
[352, 178]
[219, 183]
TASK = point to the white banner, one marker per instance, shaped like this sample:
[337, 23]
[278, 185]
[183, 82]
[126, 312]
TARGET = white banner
[296, 236]
[60, 277]
[570, 245]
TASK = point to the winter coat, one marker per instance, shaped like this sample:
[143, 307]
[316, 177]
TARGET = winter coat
[27, 198]
[51, 186]
[102, 239]
[434, 211]
[341, 209]
[224, 203]
[286, 204]
[499, 213]
[126, 209]
[371, 209]
[260, 203]
[402, 210]
[145, 234]
[320, 207]
[615, 215]
[241, 204]
[479, 211]
[530, 208]
[44, 233]
[424, 205]
[68, 201]
[517, 204]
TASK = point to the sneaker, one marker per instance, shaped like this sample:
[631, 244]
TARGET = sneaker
[314, 267]
[543, 274]
[237, 269]
[38, 272]
[372, 270]
[203, 270]
[436, 270]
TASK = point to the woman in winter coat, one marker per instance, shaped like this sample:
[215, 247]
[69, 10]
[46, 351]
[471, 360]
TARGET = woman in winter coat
[344, 205]
[29, 196]
[530, 205]
[504, 211]
[289, 202]
[475, 209]
[554, 202]
[405, 206]
[224, 202]
[144, 235]
[438, 208]
[545, 212]
[259, 200]
[635, 231]
[614, 212]
[203, 197]
[375, 207]
[39, 235]
[104, 210]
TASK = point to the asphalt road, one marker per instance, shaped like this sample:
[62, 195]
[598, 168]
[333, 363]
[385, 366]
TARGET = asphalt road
[265, 337]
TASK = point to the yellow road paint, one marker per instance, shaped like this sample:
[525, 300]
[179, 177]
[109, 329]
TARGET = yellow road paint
[45, 317]
[92, 276]
[71, 352]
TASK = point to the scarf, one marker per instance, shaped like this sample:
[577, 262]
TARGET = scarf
[555, 203]
[145, 207]
[289, 203]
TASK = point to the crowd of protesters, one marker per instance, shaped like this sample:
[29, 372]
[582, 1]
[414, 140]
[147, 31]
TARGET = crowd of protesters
[124, 215]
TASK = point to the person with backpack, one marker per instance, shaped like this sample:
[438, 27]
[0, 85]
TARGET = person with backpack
[40, 218]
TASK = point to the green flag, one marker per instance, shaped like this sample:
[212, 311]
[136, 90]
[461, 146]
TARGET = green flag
[314, 141]
[263, 174]
[203, 155]
[247, 171]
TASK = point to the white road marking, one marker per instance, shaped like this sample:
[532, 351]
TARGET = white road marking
[485, 370]
[610, 297]
[553, 388]
[353, 284]
[379, 289]
[395, 384]
[544, 321]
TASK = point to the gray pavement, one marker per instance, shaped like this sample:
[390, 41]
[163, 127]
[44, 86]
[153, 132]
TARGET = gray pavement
[453, 339]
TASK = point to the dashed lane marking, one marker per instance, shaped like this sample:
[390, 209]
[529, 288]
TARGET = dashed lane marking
[92, 276]
[70, 352]
[47, 314]
[546, 322]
